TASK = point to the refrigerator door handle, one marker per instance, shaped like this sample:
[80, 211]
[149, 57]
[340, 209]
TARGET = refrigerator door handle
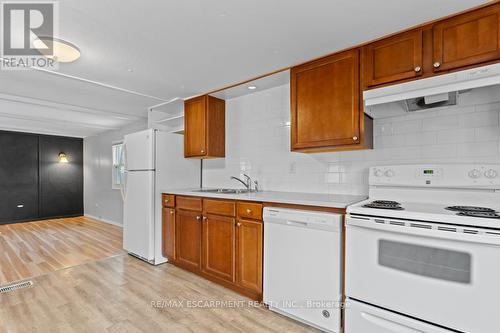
[123, 161]
[123, 186]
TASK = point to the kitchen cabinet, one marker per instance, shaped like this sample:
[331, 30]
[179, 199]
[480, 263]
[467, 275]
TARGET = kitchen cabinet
[218, 246]
[250, 210]
[168, 200]
[467, 39]
[326, 114]
[168, 233]
[249, 254]
[220, 240]
[393, 59]
[219, 207]
[204, 127]
[188, 239]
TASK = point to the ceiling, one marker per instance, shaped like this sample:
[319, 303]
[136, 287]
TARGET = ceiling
[136, 54]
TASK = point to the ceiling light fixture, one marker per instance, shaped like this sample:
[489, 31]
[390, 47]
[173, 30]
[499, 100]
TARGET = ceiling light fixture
[63, 158]
[252, 87]
[62, 51]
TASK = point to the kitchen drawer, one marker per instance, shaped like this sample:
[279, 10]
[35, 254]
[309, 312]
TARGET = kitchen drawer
[219, 207]
[250, 210]
[189, 203]
[168, 200]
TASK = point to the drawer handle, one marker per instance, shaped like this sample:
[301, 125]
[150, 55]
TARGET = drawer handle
[172, 212]
[238, 224]
[249, 211]
[198, 218]
[205, 218]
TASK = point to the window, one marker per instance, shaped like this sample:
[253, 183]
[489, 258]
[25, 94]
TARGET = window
[118, 167]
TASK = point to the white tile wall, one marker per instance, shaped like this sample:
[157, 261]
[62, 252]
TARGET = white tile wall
[258, 143]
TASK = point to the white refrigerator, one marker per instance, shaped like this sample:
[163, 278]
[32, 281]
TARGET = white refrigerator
[154, 161]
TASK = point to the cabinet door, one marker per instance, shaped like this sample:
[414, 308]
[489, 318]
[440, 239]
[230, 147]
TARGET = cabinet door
[393, 59]
[168, 233]
[188, 239]
[249, 255]
[195, 127]
[325, 102]
[467, 39]
[218, 246]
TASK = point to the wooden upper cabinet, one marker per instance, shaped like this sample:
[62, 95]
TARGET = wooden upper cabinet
[468, 39]
[325, 102]
[393, 59]
[204, 127]
[168, 233]
[188, 239]
[218, 246]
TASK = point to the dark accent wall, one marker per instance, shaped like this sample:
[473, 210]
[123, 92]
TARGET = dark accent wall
[33, 184]
[61, 184]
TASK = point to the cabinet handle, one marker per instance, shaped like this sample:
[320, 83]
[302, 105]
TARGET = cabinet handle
[355, 138]
[436, 64]
[172, 212]
[198, 218]
[238, 224]
[202, 151]
[418, 69]
[205, 218]
[249, 211]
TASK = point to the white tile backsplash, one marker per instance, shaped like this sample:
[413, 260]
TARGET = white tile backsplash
[258, 143]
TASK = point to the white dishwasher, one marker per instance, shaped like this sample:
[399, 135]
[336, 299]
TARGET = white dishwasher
[302, 266]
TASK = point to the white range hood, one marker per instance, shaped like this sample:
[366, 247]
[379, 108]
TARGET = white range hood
[427, 93]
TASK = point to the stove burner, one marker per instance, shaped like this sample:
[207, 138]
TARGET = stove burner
[384, 204]
[470, 209]
[487, 215]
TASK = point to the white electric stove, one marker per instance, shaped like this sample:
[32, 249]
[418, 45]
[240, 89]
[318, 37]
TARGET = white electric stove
[423, 252]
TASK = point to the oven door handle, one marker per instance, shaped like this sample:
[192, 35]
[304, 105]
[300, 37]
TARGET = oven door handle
[395, 326]
[367, 223]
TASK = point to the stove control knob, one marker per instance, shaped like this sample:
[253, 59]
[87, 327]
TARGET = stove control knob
[378, 173]
[474, 173]
[490, 174]
[389, 173]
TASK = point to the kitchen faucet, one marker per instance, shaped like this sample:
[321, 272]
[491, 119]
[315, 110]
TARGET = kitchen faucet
[247, 183]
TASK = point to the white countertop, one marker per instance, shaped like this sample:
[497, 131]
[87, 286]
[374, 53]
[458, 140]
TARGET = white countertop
[294, 198]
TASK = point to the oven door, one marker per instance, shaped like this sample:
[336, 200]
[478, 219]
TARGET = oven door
[430, 272]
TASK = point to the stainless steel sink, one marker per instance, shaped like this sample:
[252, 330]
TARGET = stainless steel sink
[224, 190]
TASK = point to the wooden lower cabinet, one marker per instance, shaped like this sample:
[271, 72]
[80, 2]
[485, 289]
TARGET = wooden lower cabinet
[168, 233]
[188, 239]
[224, 249]
[249, 255]
[218, 246]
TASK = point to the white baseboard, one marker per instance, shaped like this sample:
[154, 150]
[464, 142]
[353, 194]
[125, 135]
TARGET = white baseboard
[104, 220]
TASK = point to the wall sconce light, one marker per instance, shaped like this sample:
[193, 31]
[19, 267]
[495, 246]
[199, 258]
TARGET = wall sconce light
[63, 158]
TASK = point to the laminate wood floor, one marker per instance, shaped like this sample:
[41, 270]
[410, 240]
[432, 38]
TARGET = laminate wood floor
[117, 295]
[35, 248]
